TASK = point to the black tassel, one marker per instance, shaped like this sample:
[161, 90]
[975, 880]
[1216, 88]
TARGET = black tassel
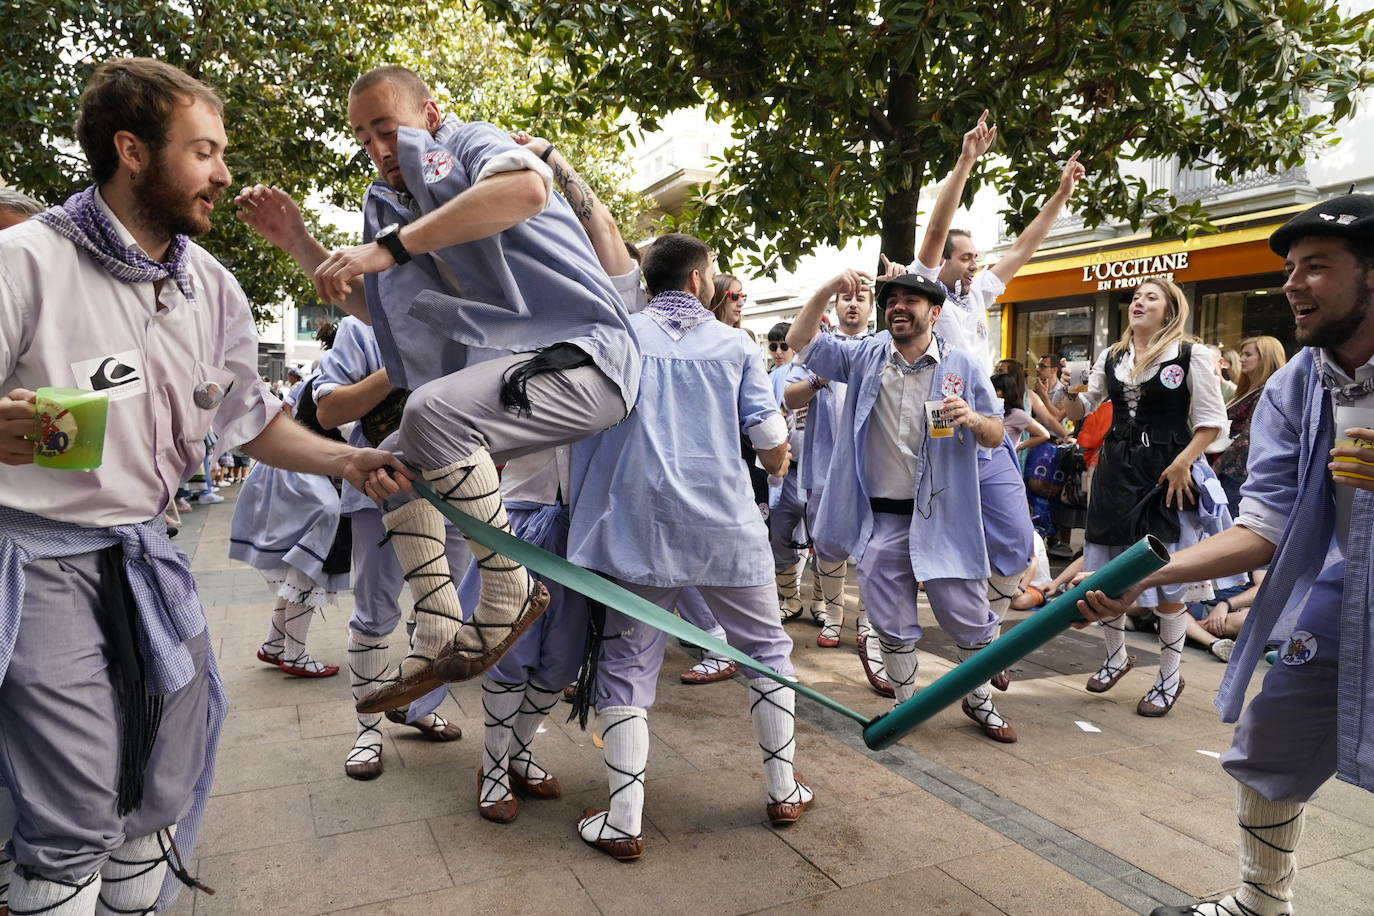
[585, 690]
[556, 358]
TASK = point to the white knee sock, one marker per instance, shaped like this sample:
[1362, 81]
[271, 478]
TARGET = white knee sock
[980, 700]
[900, 661]
[367, 667]
[789, 592]
[29, 897]
[1001, 589]
[625, 733]
[861, 624]
[298, 618]
[416, 532]
[1269, 834]
[275, 643]
[473, 487]
[831, 576]
[131, 879]
[6, 870]
[1114, 635]
[1173, 630]
[772, 708]
[533, 711]
[501, 703]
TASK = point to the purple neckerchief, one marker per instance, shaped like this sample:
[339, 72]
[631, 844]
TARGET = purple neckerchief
[677, 312]
[81, 221]
[958, 295]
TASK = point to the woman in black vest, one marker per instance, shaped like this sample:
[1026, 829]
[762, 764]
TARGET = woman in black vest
[1166, 410]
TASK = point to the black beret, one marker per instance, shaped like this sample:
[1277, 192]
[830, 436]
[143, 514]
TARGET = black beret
[934, 292]
[1348, 217]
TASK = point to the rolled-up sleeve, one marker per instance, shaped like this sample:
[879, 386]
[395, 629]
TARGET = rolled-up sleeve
[486, 150]
[1097, 385]
[1208, 409]
[344, 364]
[249, 405]
[1270, 491]
[759, 416]
[828, 357]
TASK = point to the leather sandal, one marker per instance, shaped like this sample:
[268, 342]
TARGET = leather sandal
[441, 733]
[1152, 710]
[1002, 733]
[725, 670]
[273, 660]
[1001, 680]
[624, 849]
[879, 685]
[454, 664]
[829, 637]
[547, 787]
[782, 813]
[401, 692]
[1102, 685]
[502, 812]
[363, 769]
[294, 671]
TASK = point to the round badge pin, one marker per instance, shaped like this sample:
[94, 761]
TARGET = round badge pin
[436, 165]
[1300, 649]
[207, 395]
[952, 385]
[1171, 376]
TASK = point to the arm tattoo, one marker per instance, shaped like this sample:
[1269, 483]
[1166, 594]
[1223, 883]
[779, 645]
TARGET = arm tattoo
[578, 194]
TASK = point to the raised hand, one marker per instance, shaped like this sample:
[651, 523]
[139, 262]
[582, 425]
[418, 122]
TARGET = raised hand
[979, 139]
[892, 269]
[1073, 173]
[849, 282]
[273, 215]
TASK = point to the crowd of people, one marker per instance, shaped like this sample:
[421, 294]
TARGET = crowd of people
[507, 348]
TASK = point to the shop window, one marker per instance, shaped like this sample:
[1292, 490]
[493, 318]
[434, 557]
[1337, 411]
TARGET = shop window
[1067, 332]
[1227, 318]
[310, 317]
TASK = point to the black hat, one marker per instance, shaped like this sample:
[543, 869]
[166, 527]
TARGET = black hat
[1348, 217]
[934, 292]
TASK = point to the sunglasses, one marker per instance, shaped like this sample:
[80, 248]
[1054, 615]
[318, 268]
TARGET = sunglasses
[736, 296]
[776, 345]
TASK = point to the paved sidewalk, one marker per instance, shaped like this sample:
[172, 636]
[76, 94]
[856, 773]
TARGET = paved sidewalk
[1095, 811]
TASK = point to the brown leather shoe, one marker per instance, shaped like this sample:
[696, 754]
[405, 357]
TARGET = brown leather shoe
[880, 685]
[624, 849]
[442, 733]
[547, 787]
[452, 665]
[1001, 681]
[1002, 733]
[1153, 710]
[783, 813]
[693, 676]
[1102, 685]
[502, 812]
[364, 770]
[400, 693]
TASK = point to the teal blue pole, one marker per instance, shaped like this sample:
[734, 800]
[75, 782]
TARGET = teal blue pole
[1142, 558]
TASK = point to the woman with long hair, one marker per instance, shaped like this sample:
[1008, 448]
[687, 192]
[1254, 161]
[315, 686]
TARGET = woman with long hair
[1166, 410]
[1260, 357]
[727, 301]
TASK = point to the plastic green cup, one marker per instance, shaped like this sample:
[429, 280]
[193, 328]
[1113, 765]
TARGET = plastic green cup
[69, 428]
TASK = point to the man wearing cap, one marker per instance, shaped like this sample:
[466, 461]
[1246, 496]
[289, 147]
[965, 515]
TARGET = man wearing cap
[1313, 715]
[902, 499]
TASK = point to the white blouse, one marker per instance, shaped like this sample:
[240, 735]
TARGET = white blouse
[1207, 409]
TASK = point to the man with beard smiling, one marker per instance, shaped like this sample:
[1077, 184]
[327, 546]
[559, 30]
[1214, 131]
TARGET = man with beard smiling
[901, 498]
[1314, 715]
[110, 704]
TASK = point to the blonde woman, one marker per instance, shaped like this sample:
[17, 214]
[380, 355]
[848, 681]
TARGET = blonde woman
[1260, 357]
[1166, 410]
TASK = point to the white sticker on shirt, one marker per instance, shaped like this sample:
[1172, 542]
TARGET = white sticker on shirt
[952, 385]
[1171, 376]
[120, 375]
[1300, 649]
[436, 165]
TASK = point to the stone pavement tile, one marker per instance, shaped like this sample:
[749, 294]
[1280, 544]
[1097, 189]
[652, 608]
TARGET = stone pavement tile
[526, 893]
[1347, 801]
[249, 726]
[262, 686]
[247, 618]
[402, 794]
[544, 833]
[1336, 886]
[413, 749]
[1180, 860]
[247, 767]
[249, 820]
[1364, 857]
[1213, 821]
[927, 891]
[749, 868]
[1179, 764]
[706, 801]
[330, 873]
[839, 772]
[860, 842]
[1019, 882]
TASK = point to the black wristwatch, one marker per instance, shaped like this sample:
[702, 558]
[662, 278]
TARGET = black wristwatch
[390, 239]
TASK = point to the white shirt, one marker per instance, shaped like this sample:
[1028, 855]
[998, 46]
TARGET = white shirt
[1268, 522]
[897, 427]
[963, 322]
[1206, 410]
[64, 321]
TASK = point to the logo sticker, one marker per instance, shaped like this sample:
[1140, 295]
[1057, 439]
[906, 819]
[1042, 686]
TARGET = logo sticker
[1300, 649]
[952, 385]
[1171, 376]
[436, 165]
[119, 374]
[1345, 219]
[56, 434]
